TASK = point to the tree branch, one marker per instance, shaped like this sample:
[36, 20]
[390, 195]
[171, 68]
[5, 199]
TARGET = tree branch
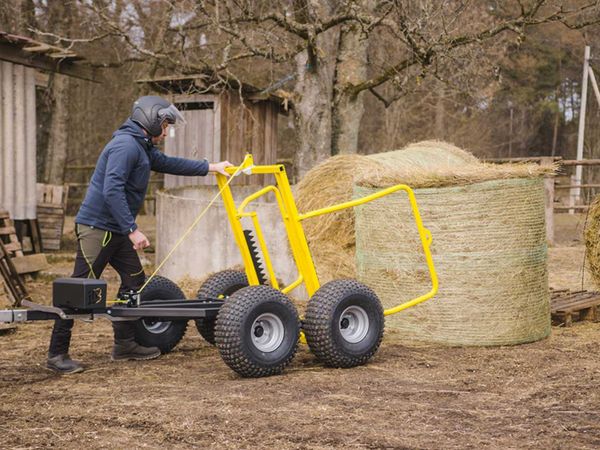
[426, 56]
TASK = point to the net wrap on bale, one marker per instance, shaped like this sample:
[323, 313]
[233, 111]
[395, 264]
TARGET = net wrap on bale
[489, 245]
[489, 249]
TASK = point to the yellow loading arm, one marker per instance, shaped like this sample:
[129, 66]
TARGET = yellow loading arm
[295, 233]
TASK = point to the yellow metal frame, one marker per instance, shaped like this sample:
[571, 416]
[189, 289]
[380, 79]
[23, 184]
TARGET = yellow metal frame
[297, 239]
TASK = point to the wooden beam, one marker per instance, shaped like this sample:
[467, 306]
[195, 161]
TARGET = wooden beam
[549, 200]
[558, 159]
[41, 79]
[30, 263]
[580, 162]
[7, 230]
[64, 66]
[522, 159]
[569, 186]
[575, 207]
[84, 167]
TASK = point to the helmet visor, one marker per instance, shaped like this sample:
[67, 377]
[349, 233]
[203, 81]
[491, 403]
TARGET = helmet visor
[172, 116]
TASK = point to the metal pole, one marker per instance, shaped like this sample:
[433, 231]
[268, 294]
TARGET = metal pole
[581, 134]
[595, 85]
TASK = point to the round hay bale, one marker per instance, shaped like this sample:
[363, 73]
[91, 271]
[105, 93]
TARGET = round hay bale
[421, 165]
[489, 250]
[591, 236]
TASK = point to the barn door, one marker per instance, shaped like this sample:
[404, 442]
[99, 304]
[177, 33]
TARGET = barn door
[199, 138]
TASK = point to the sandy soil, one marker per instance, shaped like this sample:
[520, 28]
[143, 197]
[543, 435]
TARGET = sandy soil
[540, 395]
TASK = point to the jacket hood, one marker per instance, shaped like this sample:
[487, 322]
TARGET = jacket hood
[131, 128]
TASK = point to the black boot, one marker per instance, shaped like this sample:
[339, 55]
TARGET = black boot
[63, 364]
[126, 348]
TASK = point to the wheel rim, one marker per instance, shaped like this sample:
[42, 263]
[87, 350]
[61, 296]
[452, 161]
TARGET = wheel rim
[354, 324]
[155, 327]
[267, 332]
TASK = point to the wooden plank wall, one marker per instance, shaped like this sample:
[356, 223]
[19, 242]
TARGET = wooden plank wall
[248, 128]
[52, 202]
[227, 132]
[197, 140]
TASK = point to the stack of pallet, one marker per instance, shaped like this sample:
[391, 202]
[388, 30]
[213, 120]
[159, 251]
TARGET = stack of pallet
[23, 263]
[51, 207]
[9, 247]
[12, 290]
[8, 235]
[13, 263]
[13, 284]
[567, 306]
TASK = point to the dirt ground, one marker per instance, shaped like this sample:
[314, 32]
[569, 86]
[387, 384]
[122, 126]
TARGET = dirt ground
[540, 395]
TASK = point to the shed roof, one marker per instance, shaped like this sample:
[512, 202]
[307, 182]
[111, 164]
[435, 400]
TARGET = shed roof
[204, 83]
[29, 52]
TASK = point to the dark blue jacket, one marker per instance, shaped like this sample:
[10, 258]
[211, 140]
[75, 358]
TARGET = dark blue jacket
[120, 180]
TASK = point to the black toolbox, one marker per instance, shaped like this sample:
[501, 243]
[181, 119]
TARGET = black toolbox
[79, 293]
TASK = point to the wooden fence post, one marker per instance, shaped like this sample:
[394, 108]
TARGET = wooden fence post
[549, 200]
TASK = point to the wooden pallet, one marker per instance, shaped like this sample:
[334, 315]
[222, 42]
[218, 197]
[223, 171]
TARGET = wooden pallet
[567, 306]
[51, 206]
[28, 232]
[23, 263]
[12, 281]
[8, 235]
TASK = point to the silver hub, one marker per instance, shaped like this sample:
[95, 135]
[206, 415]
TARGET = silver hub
[354, 324]
[267, 332]
[156, 327]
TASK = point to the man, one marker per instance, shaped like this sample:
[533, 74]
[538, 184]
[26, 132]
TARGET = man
[105, 224]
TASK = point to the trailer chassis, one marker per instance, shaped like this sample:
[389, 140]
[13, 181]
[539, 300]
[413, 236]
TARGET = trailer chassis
[160, 310]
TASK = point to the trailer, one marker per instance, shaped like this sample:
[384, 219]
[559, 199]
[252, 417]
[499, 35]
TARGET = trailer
[246, 314]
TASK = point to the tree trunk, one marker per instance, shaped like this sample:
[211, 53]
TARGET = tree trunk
[56, 152]
[56, 155]
[348, 107]
[312, 109]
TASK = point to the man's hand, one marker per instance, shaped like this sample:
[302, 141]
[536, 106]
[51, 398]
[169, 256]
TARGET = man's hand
[219, 167]
[139, 240]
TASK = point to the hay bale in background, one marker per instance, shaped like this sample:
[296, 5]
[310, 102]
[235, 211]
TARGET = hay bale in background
[591, 235]
[489, 249]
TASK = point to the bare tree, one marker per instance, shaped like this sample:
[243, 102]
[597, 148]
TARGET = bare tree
[328, 45]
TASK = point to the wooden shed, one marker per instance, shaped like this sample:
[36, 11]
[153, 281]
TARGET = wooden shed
[23, 65]
[225, 120]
